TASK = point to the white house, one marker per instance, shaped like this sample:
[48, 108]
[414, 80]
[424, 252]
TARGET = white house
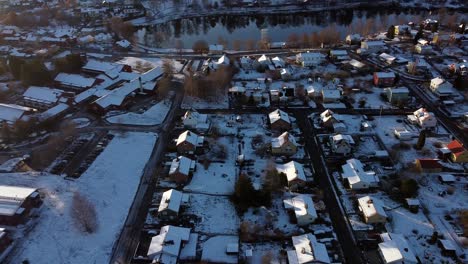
[372, 210]
[307, 250]
[441, 87]
[264, 60]
[423, 118]
[307, 59]
[278, 62]
[172, 244]
[10, 113]
[192, 119]
[395, 249]
[294, 173]
[331, 95]
[285, 74]
[387, 58]
[41, 97]
[171, 202]
[373, 46]
[188, 142]
[303, 207]
[342, 144]
[357, 178]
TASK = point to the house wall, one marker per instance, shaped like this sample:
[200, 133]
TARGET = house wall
[179, 177]
[460, 158]
[167, 215]
[281, 125]
[286, 149]
[185, 147]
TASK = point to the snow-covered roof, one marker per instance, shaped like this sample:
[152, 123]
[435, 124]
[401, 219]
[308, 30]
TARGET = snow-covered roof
[9, 165]
[374, 43]
[278, 142]
[54, 111]
[109, 68]
[400, 90]
[182, 165]
[446, 177]
[356, 63]
[42, 94]
[194, 114]
[387, 57]
[354, 172]
[190, 137]
[123, 43]
[371, 206]
[11, 112]
[279, 115]
[117, 96]
[310, 55]
[341, 137]
[12, 197]
[223, 60]
[152, 74]
[447, 244]
[171, 200]
[293, 170]
[74, 80]
[334, 94]
[308, 250]
[302, 205]
[168, 243]
[395, 248]
[437, 81]
[338, 52]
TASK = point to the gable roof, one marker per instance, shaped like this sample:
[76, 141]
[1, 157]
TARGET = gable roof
[74, 80]
[10, 112]
[190, 137]
[278, 115]
[429, 163]
[456, 147]
[182, 165]
[302, 205]
[170, 200]
[168, 243]
[293, 171]
[371, 206]
[42, 94]
[395, 248]
[284, 138]
[308, 250]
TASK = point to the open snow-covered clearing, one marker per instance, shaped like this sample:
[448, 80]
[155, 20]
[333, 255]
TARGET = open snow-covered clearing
[155, 115]
[109, 184]
[219, 178]
[145, 64]
[214, 249]
[217, 214]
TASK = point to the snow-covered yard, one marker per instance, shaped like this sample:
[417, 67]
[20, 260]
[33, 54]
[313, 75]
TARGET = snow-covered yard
[144, 64]
[214, 249]
[155, 115]
[219, 178]
[109, 184]
[217, 214]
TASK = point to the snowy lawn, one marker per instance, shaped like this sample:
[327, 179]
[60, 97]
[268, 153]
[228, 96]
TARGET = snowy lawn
[265, 251]
[109, 184]
[217, 214]
[144, 64]
[219, 178]
[214, 249]
[151, 117]
[220, 102]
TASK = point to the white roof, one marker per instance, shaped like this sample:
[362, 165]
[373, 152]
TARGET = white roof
[42, 94]
[340, 137]
[170, 200]
[302, 205]
[152, 74]
[223, 60]
[12, 197]
[182, 164]
[117, 96]
[308, 250]
[278, 115]
[110, 69]
[395, 248]
[437, 81]
[331, 93]
[60, 108]
[168, 242]
[386, 56]
[282, 139]
[194, 114]
[293, 171]
[338, 52]
[10, 112]
[189, 251]
[190, 137]
[310, 55]
[123, 43]
[446, 177]
[356, 63]
[354, 172]
[371, 206]
[74, 80]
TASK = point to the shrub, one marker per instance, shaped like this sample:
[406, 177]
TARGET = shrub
[84, 213]
[409, 188]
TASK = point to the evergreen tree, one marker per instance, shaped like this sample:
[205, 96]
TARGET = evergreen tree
[391, 32]
[421, 140]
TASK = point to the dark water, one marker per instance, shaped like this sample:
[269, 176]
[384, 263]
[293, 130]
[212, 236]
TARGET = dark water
[279, 27]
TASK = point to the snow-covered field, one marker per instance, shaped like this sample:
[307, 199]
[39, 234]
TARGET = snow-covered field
[219, 178]
[147, 63]
[214, 249]
[109, 184]
[155, 115]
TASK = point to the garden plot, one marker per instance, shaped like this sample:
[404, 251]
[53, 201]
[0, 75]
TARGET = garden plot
[217, 214]
[155, 115]
[218, 178]
[109, 184]
[372, 99]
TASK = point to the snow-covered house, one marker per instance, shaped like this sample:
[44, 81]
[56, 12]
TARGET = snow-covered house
[171, 203]
[458, 152]
[423, 49]
[41, 98]
[223, 60]
[423, 118]
[173, 244]
[10, 113]
[110, 69]
[342, 144]
[403, 134]
[384, 79]
[216, 49]
[329, 119]
[285, 144]
[264, 60]
[397, 95]
[247, 63]
[441, 87]
[188, 142]
[294, 173]
[303, 208]
[387, 58]
[285, 74]
[123, 44]
[279, 120]
[356, 177]
[395, 249]
[74, 81]
[307, 59]
[16, 203]
[373, 46]
[339, 55]
[353, 39]
[307, 250]
[278, 62]
[192, 119]
[372, 210]
[331, 95]
[181, 169]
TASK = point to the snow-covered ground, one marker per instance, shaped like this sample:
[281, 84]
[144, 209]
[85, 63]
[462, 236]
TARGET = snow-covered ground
[155, 115]
[217, 214]
[219, 178]
[144, 64]
[109, 184]
[214, 249]
[220, 102]
[81, 122]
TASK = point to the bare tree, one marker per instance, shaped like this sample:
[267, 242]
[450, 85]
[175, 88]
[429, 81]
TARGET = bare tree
[200, 46]
[168, 68]
[250, 44]
[237, 44]
[84, 214]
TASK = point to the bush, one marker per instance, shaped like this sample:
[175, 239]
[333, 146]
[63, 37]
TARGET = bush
[409, 188]
[84, 214]
[246, 196]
